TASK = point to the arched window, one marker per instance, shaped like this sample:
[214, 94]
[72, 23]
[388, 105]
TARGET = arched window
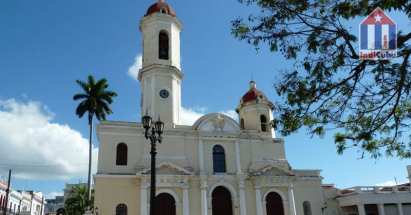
[121, 209]
[163, 46]
[307, 208]
[121, 156]
[218, 159]
[263, 121]
[242, 123]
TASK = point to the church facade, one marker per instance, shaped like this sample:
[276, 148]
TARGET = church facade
[217, 166]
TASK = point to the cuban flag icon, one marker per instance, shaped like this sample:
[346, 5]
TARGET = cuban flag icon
[378, 36]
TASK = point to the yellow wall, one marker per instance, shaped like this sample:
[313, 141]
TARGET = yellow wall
[111, 191]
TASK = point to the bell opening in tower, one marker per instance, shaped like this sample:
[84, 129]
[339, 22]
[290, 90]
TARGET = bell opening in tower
[163, 46]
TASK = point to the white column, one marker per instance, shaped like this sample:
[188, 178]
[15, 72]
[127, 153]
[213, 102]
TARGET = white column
[243, 209]
[143, 199]
[400, 211]
[237, 157]
[291, 200]
[381, 210]
[258, 201]
[361, 209]
[201, 156]
[204, 207]
[186, 203]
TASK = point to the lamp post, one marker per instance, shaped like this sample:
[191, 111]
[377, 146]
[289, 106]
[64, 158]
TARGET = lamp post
[153, 132]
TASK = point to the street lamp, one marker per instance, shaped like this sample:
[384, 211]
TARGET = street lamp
[153, 133]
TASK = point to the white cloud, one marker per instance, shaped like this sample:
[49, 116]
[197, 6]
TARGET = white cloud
[135, 68]
[190, 115]
[387, 183]
[231, 113]
[35, 147]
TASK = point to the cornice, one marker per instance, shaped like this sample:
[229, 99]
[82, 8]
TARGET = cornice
[146, 20]
[160, 68]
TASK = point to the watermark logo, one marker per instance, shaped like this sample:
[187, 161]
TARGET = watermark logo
[378, 37]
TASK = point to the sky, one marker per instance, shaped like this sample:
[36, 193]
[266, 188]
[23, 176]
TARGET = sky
[45, 45]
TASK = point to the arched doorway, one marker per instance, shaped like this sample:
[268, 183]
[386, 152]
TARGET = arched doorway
[165, 204]
[221, 201]
[274, 204]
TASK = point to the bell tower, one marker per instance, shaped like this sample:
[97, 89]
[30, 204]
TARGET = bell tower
[255, 111]
[160, 77]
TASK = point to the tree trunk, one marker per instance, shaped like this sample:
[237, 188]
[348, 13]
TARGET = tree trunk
[90, 123]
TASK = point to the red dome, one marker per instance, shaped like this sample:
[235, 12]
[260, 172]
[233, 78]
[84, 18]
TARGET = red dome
[252, 94]
[161, 7]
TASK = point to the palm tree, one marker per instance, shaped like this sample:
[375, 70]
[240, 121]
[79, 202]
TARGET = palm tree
[77, 201]
[95, 100]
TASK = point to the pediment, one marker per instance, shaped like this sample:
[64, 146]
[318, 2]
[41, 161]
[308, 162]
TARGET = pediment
[216, 122]
[270, 168]
[167, 168]
[274, 171]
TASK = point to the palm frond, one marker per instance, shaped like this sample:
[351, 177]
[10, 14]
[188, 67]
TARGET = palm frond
[83, 85]
[80, 96]
[91, 80]
[102, 84]
[82, 108]
[96, 99]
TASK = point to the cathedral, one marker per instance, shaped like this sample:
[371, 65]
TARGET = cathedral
[217, 166]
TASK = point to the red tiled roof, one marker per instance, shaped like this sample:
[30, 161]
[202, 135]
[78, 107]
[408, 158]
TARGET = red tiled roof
[252, 95]
[158, 7]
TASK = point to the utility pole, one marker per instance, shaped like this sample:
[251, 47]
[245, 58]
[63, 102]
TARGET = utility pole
[7, 194]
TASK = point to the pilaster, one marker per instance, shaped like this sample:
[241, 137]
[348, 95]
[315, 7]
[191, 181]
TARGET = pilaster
[143, 199]
[186, 201]
[361, 209]
[258, 201]
[400, 211]
[381, 210]
[201, 156]
[204, 206]
[237, 157]
[291, 200]
[243, 209]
